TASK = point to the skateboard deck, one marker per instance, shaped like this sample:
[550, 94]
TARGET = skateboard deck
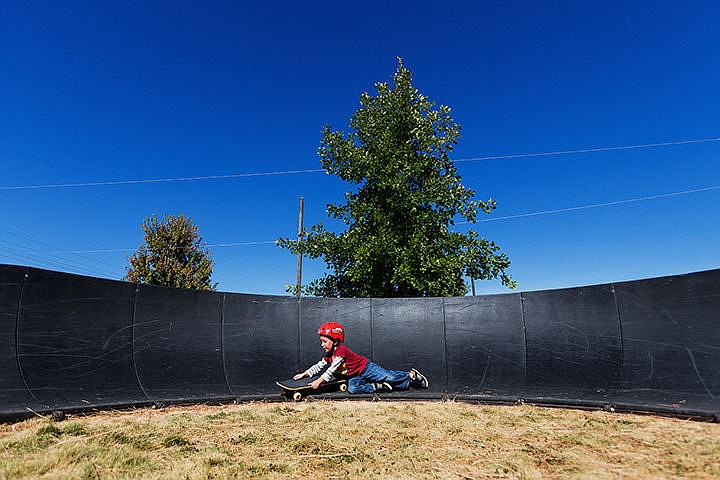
[297, 389]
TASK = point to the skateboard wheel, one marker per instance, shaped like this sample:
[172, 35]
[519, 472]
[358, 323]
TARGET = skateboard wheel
[297, 396]
[343, 387]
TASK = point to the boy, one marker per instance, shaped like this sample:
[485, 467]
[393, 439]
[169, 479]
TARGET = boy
[364, 375]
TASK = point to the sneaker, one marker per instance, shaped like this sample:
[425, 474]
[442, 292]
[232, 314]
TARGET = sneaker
[418, 380]
[382, 387]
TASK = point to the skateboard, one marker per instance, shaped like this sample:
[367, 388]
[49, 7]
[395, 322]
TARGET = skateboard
[297, 389]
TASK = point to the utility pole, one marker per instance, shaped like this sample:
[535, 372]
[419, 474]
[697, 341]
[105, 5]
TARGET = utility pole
[298, 280]
[472, 282]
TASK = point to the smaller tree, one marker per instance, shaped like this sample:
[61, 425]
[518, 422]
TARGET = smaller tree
[173, 254]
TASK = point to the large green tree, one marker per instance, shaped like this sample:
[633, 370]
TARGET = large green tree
[408, 195]
[172, 254]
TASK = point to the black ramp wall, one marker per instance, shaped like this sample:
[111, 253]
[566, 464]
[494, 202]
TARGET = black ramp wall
[260, 338]
[574, 349]
[485, 345]
[72, 342]
[178, 344]
[671, 334]
[14, 396]
[410, 333]
[75, 340]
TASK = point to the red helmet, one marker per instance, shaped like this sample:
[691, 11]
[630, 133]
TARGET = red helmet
[332, 330]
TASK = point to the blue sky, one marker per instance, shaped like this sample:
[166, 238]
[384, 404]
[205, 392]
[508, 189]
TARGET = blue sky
[101, 92]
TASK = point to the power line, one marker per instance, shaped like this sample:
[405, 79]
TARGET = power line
[587, 150]
[159, 180]
[242, 244]
[320, 170]
[507, 217]
[209, 245]
[596, 205]
[53, 257]
[51, 261]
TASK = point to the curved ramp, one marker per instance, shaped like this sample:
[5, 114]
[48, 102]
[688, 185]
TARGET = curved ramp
[74, 340]
[671, 342]
[69, 342]
[177, 344]
[14, 394]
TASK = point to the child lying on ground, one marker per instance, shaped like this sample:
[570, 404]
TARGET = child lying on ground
[364, 375]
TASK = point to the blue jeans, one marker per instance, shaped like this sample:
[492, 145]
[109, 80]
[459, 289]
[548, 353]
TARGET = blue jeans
[374, 373]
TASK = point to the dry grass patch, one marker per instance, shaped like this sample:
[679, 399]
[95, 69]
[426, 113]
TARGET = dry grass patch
[360, 440]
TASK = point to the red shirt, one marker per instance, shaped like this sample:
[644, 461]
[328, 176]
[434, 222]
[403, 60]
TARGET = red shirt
[354, 363]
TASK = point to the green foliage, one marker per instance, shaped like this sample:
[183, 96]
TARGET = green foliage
[408, 195]
[172, 254]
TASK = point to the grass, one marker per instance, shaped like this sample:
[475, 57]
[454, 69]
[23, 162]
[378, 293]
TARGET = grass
[359, 440]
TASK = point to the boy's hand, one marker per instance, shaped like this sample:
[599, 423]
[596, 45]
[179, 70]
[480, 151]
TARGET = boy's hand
[299, 376]
[314, 385]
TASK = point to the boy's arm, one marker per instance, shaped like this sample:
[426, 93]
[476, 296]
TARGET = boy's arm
[329, 373]
[314, 370]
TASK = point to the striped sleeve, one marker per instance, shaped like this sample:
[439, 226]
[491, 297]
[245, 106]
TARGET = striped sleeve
[317, 368]
[329, 374]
